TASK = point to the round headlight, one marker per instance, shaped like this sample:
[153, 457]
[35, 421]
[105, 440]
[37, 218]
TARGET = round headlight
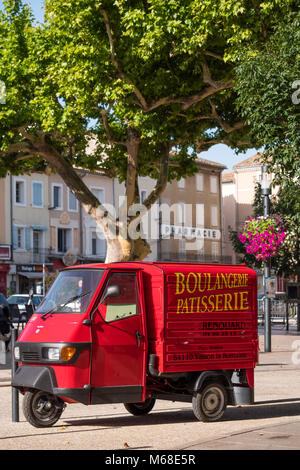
[53, 354]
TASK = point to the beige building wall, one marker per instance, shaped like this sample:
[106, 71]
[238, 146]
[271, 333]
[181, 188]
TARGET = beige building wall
[93, 240]
[238, 188]
[150, 220]
[5, 211]
[63, 218]
[30, 217]
[192, 202]
[3, 239]
[229, 211]
[201, 199]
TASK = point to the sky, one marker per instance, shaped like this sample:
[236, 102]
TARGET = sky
[219, 153]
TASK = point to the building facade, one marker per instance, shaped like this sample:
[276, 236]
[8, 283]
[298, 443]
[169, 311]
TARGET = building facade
[5, 238]
[238, 188]
[43, 228]
[191, 217]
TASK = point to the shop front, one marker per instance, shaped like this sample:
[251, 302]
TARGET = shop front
[5, 257]
[4, 269]
[30, 277]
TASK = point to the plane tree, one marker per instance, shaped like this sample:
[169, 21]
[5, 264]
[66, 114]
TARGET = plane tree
[130, 88]
[268, 87]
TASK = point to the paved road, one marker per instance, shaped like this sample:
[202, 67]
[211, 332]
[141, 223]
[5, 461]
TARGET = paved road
[272, 423]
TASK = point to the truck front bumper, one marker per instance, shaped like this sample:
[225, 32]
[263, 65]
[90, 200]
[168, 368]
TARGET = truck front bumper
[43, 378]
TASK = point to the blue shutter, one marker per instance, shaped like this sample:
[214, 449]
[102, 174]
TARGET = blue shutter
[27, 238]
[37, 194]
[14, 240]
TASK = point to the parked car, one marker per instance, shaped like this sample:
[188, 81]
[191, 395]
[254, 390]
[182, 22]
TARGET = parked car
[3, 300]
[5, 333]
[24, 299]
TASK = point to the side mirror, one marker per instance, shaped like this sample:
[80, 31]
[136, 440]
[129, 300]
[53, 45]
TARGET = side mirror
[111, 291]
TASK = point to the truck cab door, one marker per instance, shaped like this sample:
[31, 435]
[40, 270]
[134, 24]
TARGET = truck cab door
[118, 371]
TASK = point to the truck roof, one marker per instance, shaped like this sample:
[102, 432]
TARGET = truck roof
[167, 266]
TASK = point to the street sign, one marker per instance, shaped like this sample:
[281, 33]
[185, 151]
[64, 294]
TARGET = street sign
[270, 283]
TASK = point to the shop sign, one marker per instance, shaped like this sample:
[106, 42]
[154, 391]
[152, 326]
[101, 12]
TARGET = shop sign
[270, 283]
[189, 232]
[30, 268]
[5, 252]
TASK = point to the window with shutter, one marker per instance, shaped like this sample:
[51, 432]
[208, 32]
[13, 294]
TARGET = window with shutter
[37, 194]
[72, 202]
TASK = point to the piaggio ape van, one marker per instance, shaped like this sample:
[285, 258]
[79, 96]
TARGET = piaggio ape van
[135, 332]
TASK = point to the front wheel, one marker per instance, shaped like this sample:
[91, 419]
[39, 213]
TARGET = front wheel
[42, 409]
[210, 403]
[138, 409]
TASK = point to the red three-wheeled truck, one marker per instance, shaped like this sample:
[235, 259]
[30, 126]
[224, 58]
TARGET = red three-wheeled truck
[135, 332]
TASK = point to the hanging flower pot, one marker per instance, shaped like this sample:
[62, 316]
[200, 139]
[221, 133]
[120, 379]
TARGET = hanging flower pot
[264, 236]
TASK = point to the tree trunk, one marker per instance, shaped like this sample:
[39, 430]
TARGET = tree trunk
[122, 249]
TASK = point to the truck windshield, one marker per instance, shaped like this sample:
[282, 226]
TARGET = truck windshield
[71, 285]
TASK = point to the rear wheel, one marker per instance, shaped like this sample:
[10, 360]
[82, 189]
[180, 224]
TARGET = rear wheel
[42, 409]
[138, 409]
[210, 403]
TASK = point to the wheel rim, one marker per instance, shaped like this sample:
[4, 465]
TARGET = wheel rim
[213, 402]
[44, 407]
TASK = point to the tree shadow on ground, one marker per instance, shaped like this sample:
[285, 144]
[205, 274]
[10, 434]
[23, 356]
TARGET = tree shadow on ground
[259, 410]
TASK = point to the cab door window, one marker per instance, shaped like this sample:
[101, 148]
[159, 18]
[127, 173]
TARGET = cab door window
[124, 305]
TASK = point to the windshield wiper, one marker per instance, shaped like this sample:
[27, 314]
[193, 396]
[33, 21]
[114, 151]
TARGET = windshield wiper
[72, 299]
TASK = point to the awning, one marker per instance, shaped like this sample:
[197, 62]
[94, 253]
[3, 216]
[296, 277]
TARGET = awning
[31, 275]
[39, 227]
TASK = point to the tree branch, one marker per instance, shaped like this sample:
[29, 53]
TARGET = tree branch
[110, 140]
[188, 101]
[20, 147]
[208, 91]
[116, 63]
[207, 78]
[132, 144]
[212, 54]
[228, 128]
[162, 178]
[25, 134]
[204, 145]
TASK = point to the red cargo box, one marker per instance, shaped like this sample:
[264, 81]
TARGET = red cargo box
[201, 317]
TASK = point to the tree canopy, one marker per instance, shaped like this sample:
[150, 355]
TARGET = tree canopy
[144, 84]
[268, 85]
[286, 260]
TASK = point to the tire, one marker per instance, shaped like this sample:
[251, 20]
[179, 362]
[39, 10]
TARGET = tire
[210, 403]
[42, 409]
[138, 409]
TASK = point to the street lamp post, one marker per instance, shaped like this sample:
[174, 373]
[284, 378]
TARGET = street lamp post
[266, 191]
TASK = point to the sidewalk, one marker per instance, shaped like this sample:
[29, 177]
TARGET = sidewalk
[277, 395]
[273, 422]
[5, 369]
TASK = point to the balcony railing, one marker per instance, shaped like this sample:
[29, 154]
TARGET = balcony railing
[39, 256]
[46, 255]
[190, 257]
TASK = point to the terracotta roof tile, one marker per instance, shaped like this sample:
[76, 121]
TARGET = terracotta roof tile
[251, 161]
